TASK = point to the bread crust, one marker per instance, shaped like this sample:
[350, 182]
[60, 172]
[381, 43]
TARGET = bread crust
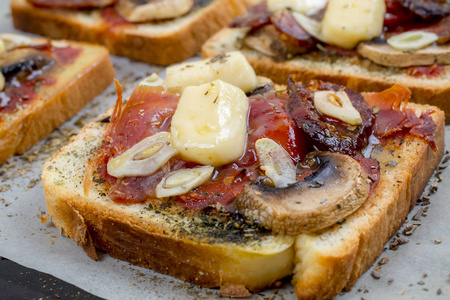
[361, 239]
[76, 85]
[325, 263]
[155, 43]
[343, 71]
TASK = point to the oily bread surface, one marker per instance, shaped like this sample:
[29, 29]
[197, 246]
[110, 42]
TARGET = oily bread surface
[325, 263]
[76, 84]
[160, 43]
[343, 70]
[150, 237]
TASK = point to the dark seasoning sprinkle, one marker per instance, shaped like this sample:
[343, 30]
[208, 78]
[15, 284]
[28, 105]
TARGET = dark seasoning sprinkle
[213, 223]
[410, 226]
[213, 217]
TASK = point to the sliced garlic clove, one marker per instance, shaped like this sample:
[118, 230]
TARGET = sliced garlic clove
[276, 163]
[152, 80]
[310, 25]
[337, 105]
[412, 40]
[144, 158]
[182, 181]
[2, 47]
[2, 81]
[348, 22]
[12, 40]
[209, 125]
[231, 67]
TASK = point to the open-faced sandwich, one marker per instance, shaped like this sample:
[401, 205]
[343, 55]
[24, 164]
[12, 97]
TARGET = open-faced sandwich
[42, 84]
[155, 31]
[366, 45]
[219, 178]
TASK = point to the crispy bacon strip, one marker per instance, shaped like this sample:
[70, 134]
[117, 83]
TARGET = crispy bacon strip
[390, 99]
[393, 116]
[87, 182]
[115, 116]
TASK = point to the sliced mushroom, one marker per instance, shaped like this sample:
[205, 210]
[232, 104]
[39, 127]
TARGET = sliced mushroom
[384, 54]
[23, 60]
[148, 10]
[268, 41]
[336, 189]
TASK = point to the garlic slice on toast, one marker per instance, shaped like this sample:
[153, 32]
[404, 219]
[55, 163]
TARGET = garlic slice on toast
[412, 40]
[310, 25]
[348, 22]
[11, 40]
[337, 105]
[231, 67]
[209, 125]
[152, 80]
[144, 158]
[142, 11]
[276, 163]
[182, 181]
[2, 81]
[2, 47]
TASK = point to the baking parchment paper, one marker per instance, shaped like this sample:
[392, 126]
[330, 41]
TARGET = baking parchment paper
[418, 269]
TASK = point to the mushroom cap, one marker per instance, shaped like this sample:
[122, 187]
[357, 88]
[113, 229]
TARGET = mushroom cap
[25, 59]
[336, 189]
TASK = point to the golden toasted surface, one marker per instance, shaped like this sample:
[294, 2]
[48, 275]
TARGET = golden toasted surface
[184, 245]
[161, 43]
[76, 84]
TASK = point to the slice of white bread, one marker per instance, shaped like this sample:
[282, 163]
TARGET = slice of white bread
[331, 261]
[161, 43]
[76, 84]
[179, 245]
[153, 237]
[358, 74]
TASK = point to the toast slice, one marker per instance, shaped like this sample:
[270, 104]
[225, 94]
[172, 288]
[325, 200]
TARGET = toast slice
[72, 74]
[156, 42]
[358, 74]
[153, 236]
[333, 260]
[186, 246]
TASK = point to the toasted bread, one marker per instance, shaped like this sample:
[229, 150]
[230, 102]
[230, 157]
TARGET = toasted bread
[187, 245]
[71, 85]
[359, 74]
[157, 42]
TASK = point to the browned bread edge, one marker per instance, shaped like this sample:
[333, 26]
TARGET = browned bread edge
[131, 41]
[56, 104]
